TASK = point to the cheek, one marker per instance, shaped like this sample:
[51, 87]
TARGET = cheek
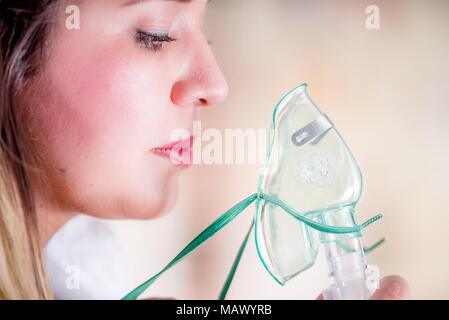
[95, 127]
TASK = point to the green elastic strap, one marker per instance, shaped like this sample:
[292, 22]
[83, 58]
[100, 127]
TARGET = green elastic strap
[217, 225]
[227, 217]
[316, 225]
[230, 277]
[309, 222]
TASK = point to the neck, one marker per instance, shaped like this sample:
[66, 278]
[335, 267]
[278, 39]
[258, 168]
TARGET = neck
[50, 219]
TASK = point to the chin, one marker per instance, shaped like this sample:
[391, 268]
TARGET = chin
[140, 200]
[155, 206]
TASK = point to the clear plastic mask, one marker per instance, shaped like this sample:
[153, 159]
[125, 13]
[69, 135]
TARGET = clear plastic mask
[310, 168]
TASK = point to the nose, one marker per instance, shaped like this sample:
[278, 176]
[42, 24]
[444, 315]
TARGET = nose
[203, 84]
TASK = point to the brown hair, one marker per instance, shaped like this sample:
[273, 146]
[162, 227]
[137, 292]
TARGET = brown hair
[24, 37]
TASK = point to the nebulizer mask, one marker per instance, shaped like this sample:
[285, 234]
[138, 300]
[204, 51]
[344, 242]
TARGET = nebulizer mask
[306, 195]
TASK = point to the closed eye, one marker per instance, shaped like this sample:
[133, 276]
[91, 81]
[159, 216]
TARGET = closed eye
[152, 41]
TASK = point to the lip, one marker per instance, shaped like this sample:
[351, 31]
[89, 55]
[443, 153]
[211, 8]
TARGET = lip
[179, 152]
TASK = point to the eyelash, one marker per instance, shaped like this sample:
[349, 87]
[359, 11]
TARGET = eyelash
[152, 41]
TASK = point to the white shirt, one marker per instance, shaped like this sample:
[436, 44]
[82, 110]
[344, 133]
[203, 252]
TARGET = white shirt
[85, 260]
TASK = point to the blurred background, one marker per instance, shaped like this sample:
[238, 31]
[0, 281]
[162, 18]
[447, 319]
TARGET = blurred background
[387, 92]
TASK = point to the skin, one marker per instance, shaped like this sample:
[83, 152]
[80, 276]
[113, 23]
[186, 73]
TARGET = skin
[104, 101]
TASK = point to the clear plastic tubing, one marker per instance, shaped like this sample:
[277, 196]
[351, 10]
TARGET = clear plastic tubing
[347, 268]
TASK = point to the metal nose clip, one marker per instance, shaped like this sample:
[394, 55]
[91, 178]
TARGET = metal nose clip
[312, 130]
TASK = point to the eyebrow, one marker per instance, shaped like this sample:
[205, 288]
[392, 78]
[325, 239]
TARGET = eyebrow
[134, 2]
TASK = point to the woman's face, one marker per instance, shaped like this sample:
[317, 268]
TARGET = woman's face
[113, 92]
